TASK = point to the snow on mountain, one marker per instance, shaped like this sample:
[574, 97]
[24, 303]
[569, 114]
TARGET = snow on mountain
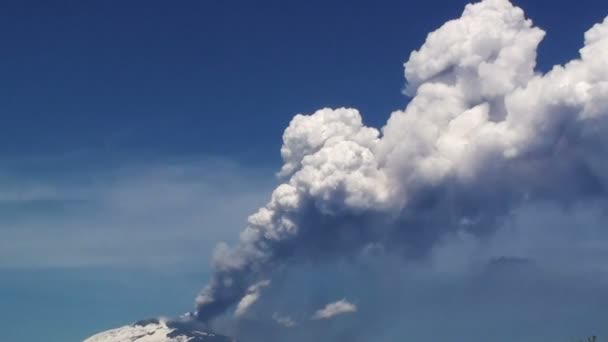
[154, 330]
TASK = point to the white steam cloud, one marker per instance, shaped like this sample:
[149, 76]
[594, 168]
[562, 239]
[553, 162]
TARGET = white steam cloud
[334, 309]
[483, 134]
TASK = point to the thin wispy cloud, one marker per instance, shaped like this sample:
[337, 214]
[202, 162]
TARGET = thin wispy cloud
[154, 214]
[331, 310]
[285, 321]
[252, 296]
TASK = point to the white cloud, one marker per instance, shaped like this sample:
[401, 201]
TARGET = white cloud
[252, 296]
[483, 134]
[334, 309]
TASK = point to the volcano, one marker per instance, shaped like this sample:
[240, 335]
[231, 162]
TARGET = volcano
[156, 330]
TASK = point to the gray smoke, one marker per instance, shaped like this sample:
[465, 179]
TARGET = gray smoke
[483, 134]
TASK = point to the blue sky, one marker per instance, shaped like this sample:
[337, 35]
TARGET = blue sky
[128, 125]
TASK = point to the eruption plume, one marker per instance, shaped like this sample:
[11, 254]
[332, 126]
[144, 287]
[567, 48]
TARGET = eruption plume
[482, 134]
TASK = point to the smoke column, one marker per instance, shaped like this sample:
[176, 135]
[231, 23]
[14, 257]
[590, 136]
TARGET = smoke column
[483, 134]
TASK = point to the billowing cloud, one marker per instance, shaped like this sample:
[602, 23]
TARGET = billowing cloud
[483, 135]
[334, 309]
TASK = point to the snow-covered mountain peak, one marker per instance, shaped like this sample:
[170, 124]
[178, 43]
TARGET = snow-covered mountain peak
[155, 330]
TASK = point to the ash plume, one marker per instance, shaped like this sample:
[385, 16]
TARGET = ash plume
[482, 134]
